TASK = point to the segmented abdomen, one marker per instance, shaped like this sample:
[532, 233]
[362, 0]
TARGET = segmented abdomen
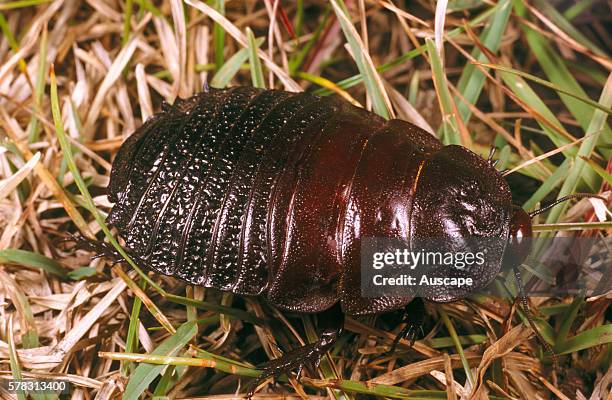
[249, 190]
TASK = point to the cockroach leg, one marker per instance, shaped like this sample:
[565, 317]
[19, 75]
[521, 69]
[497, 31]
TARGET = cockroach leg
[332, 323]
[414, 317]
[298, 374]
[522, 297]
[100, 248]
[491, 154]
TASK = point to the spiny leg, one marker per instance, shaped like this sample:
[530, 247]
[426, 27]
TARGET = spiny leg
[331, 323]
[522, 297]
[490, 160]
[491, 154]
[100, 248]
[414, 317]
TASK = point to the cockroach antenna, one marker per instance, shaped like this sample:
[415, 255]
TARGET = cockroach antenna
[562, 199]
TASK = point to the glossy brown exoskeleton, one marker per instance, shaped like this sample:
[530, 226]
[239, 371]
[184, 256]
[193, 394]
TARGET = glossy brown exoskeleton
[265, 192]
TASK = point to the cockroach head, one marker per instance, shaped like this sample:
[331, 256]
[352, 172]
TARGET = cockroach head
[463, 204]
[519, 244]
[459, 194]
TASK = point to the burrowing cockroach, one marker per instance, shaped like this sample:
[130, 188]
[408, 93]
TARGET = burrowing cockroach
[266, 192]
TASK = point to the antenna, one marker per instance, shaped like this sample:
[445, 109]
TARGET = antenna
[562, 199]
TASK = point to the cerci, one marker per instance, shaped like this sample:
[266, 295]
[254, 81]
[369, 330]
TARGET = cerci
[267, 192]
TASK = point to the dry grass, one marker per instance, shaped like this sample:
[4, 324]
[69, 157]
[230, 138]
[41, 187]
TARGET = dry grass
[67, 316]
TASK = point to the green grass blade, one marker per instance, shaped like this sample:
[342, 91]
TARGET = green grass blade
[602, 172]
[578, 8]
[29, 336]
[68, 157]
[504, 157]
[148, 303]
[131, 340]
[149, 6]
[235, 369]
[296, 62]
[450, 125]
[144, 374]
[357, 79]
[466, 340]
[461, 5]
[558, 73]
[202, 305]
[545, 117]
[584, 340]
[65, 144]
[560, 20]
[232, 66]
[257, 75]
[299, 17]
[413, 89]
[219, 35]
[164, 384]
[372, 81]
[13, 360]
[82, 273]
[453, 334]
[11, 5]
[548, 186]
[586, 148]
[32, 260]
[376, 390]
[127, 21]
[39, 90]
[596, 75]
[550, 85]
[211, 356]
[568, 319]
[160, 360]
[6, 30]
[472, 79]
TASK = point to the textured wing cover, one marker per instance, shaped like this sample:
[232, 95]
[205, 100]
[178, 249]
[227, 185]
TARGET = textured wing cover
[248, 190]
[192, 185]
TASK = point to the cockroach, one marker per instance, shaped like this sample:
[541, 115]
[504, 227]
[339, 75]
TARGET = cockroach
[267, 192]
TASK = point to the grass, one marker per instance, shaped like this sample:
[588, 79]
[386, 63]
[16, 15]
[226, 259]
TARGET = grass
[76, 78]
